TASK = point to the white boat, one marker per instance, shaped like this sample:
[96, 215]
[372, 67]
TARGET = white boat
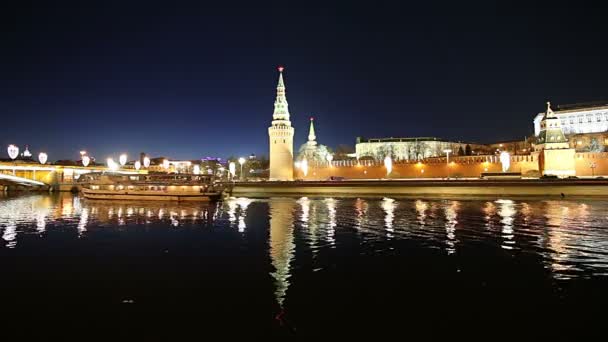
[146, 187]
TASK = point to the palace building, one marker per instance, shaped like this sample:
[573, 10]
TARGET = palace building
[578, 118]
[413, 148]
[280, 135]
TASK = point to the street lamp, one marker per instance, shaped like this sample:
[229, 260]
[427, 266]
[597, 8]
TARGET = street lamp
[85, 160]
[242, 161]
[592, 165]
[42, 158]
[13, 151]
[388, 163]
[137, 165]
[146, 162]
[447, 152]
[122, 159]
[232, 169]
[304, 166]
[112, 164]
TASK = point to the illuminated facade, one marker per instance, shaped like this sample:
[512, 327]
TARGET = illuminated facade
[578, 119]
[411, 148]
[280, 134]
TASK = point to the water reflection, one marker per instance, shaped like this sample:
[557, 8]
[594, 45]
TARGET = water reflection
[389, 205]
[568, 238]
[281, 243]
[507, 213]
[451, 215]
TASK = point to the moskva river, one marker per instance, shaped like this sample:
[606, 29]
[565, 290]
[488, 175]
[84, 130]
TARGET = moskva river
[307, 266]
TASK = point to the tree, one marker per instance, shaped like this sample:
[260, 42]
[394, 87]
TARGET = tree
[595, 146]
[460, 151]
[467, 150]
[342, 151]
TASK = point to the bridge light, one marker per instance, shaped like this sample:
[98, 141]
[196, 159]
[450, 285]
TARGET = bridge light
[85, 160]
[13, 151]
[112, 164]
[137, 165]
[146, 162]
[42, 158]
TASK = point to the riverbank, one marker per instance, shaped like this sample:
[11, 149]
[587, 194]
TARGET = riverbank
[523, 187]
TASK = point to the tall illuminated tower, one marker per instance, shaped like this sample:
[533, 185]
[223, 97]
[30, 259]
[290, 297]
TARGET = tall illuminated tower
[281, 137]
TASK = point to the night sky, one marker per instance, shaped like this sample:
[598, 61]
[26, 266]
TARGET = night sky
[189, 81]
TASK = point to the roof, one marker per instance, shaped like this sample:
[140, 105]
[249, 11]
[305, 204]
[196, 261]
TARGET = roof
[578, 107]
[392, 139]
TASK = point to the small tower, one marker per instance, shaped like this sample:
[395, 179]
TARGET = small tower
[555, 155]
[281, 137]
[312, 138]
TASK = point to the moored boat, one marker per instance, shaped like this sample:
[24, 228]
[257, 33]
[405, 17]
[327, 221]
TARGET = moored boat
[147, 187]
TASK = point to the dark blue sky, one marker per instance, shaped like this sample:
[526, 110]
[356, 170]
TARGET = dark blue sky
[190, 81]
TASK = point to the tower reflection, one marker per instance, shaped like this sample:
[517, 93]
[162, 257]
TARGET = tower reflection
[281, 243]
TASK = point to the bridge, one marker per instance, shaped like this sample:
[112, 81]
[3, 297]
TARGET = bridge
[37, 176]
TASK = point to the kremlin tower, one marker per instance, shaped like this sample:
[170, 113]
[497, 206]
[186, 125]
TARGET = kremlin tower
[281, 137]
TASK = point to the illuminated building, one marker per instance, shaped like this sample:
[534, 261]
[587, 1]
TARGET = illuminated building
[411, 148]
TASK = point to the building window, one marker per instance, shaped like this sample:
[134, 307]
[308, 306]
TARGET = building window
[572, 120]
[598, 117]
[283, 141]
[563, 122]
[589, 118]
[580, 119]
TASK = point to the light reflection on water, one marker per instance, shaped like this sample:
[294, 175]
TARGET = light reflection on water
[569, 238]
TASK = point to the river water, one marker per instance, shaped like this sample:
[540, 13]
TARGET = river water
[302, 265]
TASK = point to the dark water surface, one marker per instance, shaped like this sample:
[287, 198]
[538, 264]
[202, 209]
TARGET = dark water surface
[302, 266]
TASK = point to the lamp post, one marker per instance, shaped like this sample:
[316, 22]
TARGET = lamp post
[242, 161]
[85, 160]
[146, 162]
[304, 166]
[137, 165]
[122, 159]
[388, 163]
[447, 160]
[329, 158]
[42, 158]
[232, 169]
[13, 153]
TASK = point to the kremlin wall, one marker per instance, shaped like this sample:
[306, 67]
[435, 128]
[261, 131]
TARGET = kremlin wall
[458, 167]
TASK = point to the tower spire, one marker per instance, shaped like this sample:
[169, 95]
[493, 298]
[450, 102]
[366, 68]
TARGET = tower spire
[281, 108]
[311, 133]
